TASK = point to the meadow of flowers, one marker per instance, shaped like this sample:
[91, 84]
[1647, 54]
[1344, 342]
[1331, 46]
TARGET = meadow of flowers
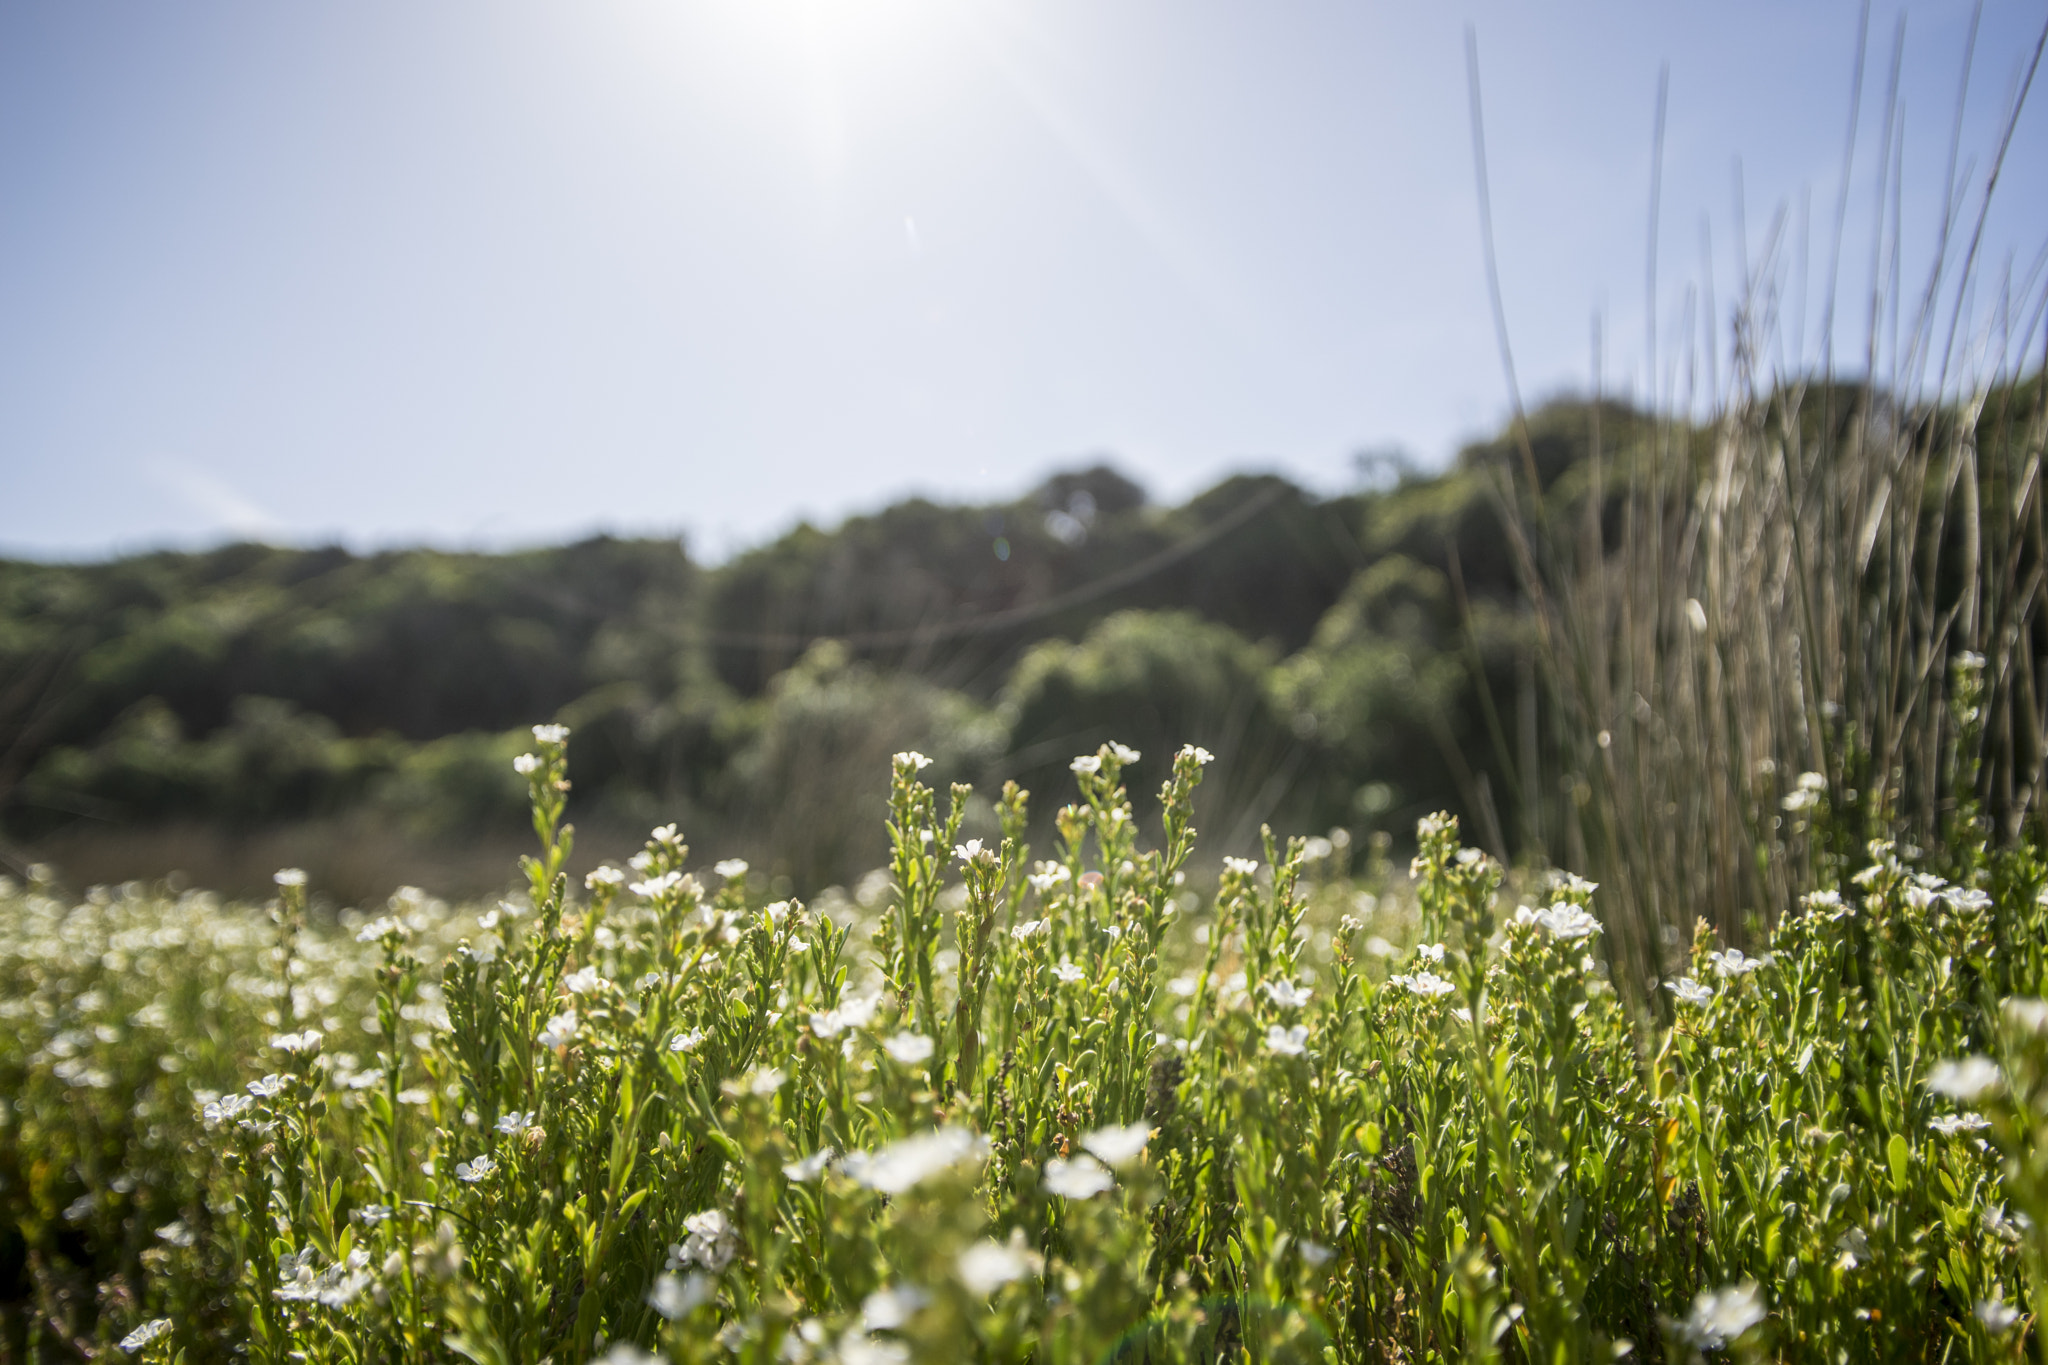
[1089, 1107]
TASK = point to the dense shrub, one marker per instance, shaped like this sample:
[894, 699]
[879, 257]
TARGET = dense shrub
[1069, 1110]
[1154, 680]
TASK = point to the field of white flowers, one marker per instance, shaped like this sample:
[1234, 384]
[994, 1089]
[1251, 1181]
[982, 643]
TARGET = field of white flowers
[1066, 1110]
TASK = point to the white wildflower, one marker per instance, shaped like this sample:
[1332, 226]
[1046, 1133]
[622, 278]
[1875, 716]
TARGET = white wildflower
[1733, 963]
[604, 876]
[1287, 1042]
[1030, 928]
[655, 887]
[335, 1287]
[685, 1042]
[987, 1266]
[712, 1243]
[1286, 995]
[887, 1310]
[1997, 1315]
[1568, 922]
[1082, 1178]
[177, 1234]
[1086, 763]
[1124, 754]
[1948, 1125]
[810, 1168]
[2026, 1014]
[270, 1087]
[1197, 753]
[855, 1349]
[1967, 1080]
[475, 1172]
[1428, 985]
[309, 1041]
[1118, 1144]
[1430, 952]
[1828, 903]
[550, 734]
[584, 981]
[1805, 796]
[852, 1012]
[526, 765]
[559, 1031]
[908, 1048]
[1049, 875]
[1924, 890]
[1719, 1316]
[730, 868]
[1689, 991]
[1068, 972]
[968, 851]
[675, 1297]
[289, 876]
[905, 1164]
[145, 1334]
[514, 1123]
[1244, 867]
[912, 760]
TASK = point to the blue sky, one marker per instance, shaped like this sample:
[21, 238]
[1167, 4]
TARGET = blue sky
[495, 272]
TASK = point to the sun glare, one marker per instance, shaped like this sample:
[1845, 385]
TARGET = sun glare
[850, 38]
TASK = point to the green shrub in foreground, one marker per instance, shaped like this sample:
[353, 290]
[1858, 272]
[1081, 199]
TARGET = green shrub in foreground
[1056, 1112]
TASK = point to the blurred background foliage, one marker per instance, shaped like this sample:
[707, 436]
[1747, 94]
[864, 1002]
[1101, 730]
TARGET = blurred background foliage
[1353, 661]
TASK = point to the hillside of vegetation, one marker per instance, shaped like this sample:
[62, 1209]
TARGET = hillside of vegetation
[295, 702]
[1355, 661]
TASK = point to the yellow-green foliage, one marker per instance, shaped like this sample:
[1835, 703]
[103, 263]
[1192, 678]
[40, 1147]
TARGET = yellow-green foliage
[1004, 1111]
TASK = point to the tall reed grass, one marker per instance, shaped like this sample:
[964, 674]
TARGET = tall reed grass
[1794, 593]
